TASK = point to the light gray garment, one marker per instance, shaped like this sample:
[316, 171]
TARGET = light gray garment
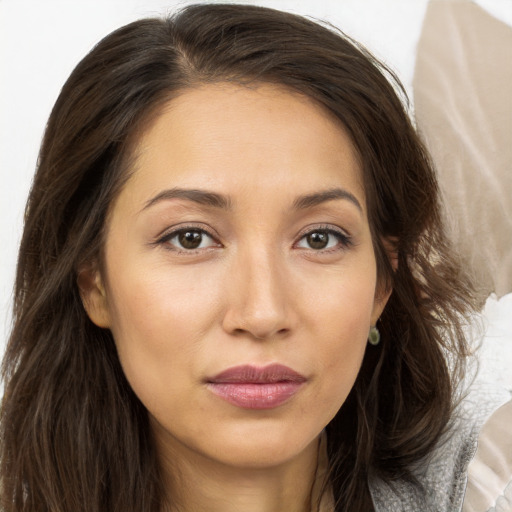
[443, 475]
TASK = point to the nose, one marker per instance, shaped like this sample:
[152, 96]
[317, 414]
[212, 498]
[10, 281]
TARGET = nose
[259, 302]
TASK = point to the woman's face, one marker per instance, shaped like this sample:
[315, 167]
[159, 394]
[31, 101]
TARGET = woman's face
[239, 243]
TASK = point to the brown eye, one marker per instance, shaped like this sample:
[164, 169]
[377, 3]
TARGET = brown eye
[321, 239]
[188, 239]
[317, 239]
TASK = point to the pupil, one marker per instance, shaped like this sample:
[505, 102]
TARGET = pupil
[190, 239]
[318, 240]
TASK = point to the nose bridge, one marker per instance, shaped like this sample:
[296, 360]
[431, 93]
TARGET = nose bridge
[259, 301]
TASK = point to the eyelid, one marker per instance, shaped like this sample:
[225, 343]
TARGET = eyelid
[344, 238]
[170, 233]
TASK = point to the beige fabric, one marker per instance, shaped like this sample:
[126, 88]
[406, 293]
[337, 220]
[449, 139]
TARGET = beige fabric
[463, 104]
[490, 472]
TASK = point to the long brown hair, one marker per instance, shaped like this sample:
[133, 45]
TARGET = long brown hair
[74, 436]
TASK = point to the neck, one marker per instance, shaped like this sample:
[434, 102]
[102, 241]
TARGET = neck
[197, 484]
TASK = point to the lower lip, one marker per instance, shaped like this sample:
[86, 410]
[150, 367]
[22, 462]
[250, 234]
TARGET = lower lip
[248, 395]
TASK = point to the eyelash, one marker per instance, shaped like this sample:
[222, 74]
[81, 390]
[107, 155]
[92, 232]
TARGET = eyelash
[344, 240]
[167, 237]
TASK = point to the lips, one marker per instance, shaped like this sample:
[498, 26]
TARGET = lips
[252, 387]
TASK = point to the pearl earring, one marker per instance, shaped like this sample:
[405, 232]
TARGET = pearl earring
[374, 336]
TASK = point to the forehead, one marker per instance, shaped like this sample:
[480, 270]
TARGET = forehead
[224, 136]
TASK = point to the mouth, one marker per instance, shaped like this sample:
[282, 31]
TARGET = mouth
[252, 387]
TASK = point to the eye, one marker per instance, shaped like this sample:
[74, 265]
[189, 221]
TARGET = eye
[189, 239]
[321, 239]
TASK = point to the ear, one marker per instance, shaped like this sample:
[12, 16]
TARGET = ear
[382, 294]
[381, 299]
[93, 295]
[390, 243]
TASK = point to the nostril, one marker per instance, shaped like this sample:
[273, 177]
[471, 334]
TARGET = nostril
[261, 335]
[262, 314]
[270, 334]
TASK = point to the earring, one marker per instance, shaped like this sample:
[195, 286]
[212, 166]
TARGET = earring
[374, 336]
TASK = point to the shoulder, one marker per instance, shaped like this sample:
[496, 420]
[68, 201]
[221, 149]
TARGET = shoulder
[443, 475]
[490, 472]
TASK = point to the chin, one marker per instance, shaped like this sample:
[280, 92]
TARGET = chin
[259, 448]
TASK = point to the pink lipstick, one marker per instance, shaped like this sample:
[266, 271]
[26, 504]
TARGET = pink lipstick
[252, 387]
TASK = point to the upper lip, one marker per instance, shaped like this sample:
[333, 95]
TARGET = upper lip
[257, 374]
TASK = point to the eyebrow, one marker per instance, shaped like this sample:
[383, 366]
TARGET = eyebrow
[220, 201]
[202, 197]
[317, 198]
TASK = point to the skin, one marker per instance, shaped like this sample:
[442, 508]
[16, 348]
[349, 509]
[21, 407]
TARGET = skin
[256, 291]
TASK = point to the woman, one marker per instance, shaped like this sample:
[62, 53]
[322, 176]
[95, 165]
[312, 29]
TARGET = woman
[233, 291]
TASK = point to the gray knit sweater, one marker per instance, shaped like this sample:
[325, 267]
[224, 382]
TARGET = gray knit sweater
[444, 475]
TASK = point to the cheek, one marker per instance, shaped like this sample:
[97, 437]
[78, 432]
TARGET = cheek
[342, 358]
[343, 316]
[343, 302]
[158, 320]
